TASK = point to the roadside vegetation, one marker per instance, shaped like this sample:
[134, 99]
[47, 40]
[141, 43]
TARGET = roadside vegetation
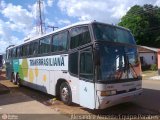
[144, 23]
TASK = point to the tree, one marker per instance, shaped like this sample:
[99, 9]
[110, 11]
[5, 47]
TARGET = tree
[144, 23]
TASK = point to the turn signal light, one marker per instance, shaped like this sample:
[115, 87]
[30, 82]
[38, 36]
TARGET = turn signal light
[108, 93]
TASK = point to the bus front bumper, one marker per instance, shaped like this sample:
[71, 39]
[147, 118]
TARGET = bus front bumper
[104, 102]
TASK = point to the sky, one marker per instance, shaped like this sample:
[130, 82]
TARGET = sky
[18, 17]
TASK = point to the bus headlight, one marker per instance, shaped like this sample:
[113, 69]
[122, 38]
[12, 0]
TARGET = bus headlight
[113, 92]
[108, 93]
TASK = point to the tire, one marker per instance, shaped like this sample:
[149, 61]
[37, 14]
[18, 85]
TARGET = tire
[12, 77]
[65, 93]
[18, 80]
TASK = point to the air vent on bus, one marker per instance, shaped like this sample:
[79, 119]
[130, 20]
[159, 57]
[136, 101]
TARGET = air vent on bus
[125, 91]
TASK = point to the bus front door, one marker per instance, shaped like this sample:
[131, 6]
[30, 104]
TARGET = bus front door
[86, 79]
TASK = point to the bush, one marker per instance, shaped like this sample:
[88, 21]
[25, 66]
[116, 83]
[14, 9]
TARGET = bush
[154, 67]
[146, 67]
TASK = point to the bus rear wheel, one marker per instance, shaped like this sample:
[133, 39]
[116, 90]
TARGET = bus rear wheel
[12, 78]
[18, 80]
[65, 93]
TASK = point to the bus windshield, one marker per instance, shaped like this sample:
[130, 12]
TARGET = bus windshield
[110, 33]
[118, 62]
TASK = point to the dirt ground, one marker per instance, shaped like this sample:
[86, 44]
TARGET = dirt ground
[2, 75]
[148, 74]
[45, 99]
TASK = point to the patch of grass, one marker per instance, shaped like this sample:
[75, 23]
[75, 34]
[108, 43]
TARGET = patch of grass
[153, 67]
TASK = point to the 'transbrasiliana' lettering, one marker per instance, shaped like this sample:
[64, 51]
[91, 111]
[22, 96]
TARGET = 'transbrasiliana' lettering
[57, 61]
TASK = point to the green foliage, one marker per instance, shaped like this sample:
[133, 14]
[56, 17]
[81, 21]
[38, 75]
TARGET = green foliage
[153, 67]
[144, 23]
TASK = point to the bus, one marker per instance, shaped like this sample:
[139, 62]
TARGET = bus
[93, 64]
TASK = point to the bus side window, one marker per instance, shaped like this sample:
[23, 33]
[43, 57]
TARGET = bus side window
[7, 54]
[25, 49]
[86, 64]
[35, 47]
[79, 36]
[11, 53]
[44, 45]
[59, 41]
[20, 54]
[18, 51]
[73, 63]
[31, 45]
[14, 52]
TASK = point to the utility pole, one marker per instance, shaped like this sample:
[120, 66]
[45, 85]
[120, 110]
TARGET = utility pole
[53, 27]
[40, 19]
[40, 16]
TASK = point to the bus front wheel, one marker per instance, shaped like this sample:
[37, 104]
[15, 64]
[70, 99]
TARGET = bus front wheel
[65, 93]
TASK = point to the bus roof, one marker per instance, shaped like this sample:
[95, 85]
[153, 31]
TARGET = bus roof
[64, 28]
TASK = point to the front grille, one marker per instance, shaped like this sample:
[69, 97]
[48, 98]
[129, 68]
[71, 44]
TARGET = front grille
[133, 89]
[125, 91]
[121, 92]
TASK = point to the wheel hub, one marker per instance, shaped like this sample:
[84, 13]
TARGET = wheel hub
[64, 94]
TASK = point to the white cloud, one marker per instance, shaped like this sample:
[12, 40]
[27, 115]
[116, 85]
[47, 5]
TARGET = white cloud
[3, 43]
[6, 37]
[64, 22]
[49, 22]
[50, 2]
[44, 4]
[2, 4]
[102, 10]
[22, 18]
[17, 20]
[33, 8]
[4, 31]
[157, 3]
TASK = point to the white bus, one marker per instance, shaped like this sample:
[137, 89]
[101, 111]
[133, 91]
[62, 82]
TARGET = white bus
[93, 64]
